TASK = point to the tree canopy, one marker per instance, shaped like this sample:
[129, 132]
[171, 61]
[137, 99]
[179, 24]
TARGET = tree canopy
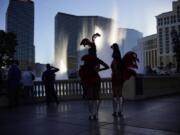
[8, 43]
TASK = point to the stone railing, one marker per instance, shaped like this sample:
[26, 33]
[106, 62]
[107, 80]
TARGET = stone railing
[135, 88]
[139, 87]
[71, 89]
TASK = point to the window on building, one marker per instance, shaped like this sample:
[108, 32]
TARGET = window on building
[160, 30]
[172, 19]
[152, 58]
[167, 50]
[161, 51]
[159, 21]
[179, 28]
[172, 28]
[167, 20]
[155, 58]
[167, 31]
[178, 9]
[178, 18]
[147, 62]
[161, 40]
[178, 13]
[144, 58]
[173, 49]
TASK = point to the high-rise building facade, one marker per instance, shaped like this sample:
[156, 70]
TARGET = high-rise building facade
[148, 48]
[166, 22]
[130, 39]
[20, 20]
[71, 29]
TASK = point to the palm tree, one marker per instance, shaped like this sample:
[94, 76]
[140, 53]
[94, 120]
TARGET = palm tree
[176, 42]
[8, 44]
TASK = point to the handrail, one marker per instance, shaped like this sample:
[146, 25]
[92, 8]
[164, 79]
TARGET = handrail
[71, 88]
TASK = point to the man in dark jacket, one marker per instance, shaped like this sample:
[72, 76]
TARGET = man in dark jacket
[14, 78]
[48, 79]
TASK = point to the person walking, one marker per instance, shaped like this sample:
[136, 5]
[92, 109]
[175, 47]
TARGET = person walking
[48, 79]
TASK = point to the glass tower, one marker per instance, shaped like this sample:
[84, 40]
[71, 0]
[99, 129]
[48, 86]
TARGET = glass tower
[20, 20]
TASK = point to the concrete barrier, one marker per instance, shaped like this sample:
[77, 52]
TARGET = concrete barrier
[143, 87]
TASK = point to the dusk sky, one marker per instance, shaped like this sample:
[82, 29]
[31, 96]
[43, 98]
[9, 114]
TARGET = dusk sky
[135, 14]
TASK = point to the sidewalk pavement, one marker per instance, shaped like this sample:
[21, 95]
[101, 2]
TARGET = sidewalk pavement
[158, 116]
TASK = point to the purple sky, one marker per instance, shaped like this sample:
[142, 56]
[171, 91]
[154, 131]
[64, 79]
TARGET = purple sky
[136, 14]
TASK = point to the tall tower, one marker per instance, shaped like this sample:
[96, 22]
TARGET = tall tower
[20, 20]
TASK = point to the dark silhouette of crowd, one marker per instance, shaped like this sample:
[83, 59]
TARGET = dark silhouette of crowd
[20, 84]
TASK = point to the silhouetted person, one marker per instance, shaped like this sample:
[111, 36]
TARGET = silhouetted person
[14, 78]
[27, 81]
[91, 81]
[48, 78]
[90, 78]
[91, 44]
[92, 48]
[117, 81]
[122, 70]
